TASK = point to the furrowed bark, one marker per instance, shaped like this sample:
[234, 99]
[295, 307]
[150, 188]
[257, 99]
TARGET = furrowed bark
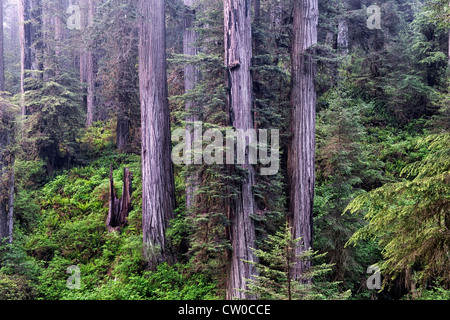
[191, 78]
[157, 170]
[238, 54]
[301, 150]
[6, 182]
[30, 42]
[90, 72]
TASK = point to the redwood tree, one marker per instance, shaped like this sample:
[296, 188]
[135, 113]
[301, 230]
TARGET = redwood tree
[88, 61]
[7, 159]
[301, 150]
[157, 170]
[191, 78]
[30, 40]
[238, 55]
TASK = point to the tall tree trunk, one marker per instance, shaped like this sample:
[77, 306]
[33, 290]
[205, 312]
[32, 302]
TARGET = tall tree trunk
[449, 47]
[11, 184]
[191, 78]
[157, 170]
[257, 9]
[3, 188]
[90, 71]
[123, 128]
[2, 58]
[6, 182]
[301, 150]
[30, 41]
[238, 55]
[25, 48]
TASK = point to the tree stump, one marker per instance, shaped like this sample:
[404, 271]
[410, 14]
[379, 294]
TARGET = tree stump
[119, 208]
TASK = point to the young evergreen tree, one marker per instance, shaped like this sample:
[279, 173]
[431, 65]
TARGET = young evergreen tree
[116, 34]
[275, 281]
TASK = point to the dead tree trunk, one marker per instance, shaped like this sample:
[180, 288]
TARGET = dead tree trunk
[191, 78]
[238, 55]
[158, 200]
[301, 150]
[119, 208]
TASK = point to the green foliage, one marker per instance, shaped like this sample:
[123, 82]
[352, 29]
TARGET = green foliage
[344, 168]
[410, 218]
[166, 283]
[275, 282]
[377, 108]
[98, 139]
[435, 294]
[15, 288]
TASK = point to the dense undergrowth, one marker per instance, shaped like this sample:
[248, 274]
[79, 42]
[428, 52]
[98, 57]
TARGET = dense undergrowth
[63, 223]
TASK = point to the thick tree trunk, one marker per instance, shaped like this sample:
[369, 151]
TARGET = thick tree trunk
[6, 186]
[30, 21]
[238, 54]
[84, 21]
[191, 78]
[90, 72]
[11, 184]
[276, 14]
[123, 118]
[449, 47]
[3, 188]
[157, 170]
[123, 130]
[301, 150]
[25, 48]
[119, 208]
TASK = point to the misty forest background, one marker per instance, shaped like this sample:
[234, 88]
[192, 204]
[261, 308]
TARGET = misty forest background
[87, 107]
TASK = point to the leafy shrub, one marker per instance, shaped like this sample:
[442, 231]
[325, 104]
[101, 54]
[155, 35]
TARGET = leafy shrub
[15, 288]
